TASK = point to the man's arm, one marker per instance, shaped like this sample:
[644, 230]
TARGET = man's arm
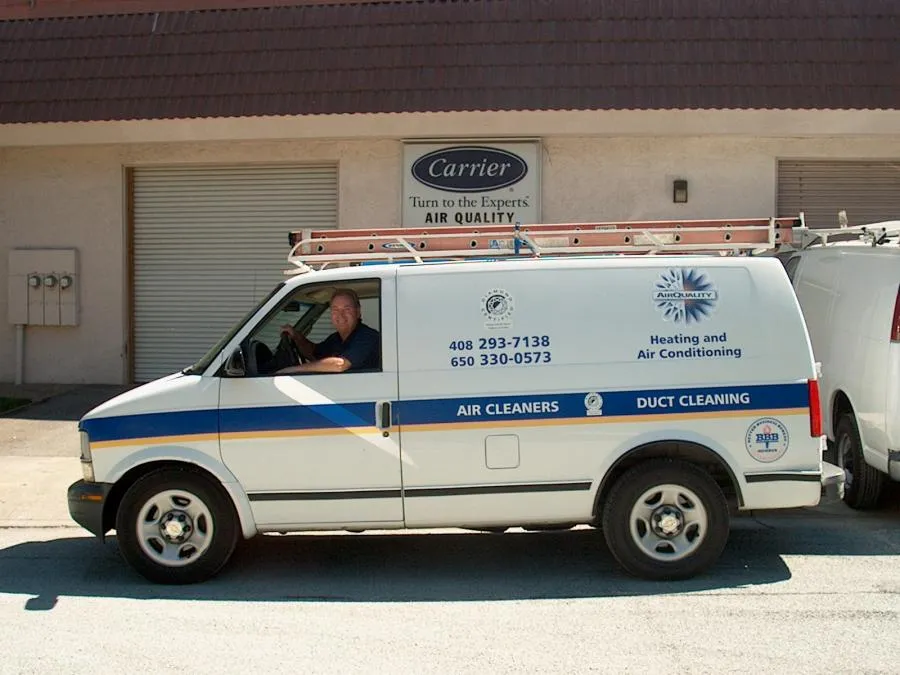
[330, 364]
[362, 351]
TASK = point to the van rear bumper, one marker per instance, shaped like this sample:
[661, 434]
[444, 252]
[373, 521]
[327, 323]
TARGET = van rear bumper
[791, 489]
[894, 464]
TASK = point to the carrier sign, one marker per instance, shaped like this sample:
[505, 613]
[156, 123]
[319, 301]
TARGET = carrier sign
[471, 184]
[469, 169]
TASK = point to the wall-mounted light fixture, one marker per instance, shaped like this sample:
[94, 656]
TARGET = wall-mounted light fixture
[680, 191]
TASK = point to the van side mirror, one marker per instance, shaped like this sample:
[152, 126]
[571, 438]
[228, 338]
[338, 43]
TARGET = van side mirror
[235, 366]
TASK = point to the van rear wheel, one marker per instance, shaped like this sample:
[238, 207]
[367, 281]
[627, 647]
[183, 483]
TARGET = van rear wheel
[176, 526]
[863, 484]
[666, 520]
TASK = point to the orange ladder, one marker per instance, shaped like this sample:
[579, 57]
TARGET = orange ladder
[722, 236]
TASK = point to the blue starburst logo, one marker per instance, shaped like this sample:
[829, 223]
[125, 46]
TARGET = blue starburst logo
[685, 296]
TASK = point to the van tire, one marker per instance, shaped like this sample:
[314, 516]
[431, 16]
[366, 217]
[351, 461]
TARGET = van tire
[863, 483]
[188, 500]
[656, 495]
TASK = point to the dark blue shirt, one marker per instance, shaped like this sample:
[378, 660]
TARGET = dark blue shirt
[362, 348]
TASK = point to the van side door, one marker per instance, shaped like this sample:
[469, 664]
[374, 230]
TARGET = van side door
[316, 450]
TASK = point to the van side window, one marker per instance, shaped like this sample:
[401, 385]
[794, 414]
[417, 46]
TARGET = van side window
[321, 328]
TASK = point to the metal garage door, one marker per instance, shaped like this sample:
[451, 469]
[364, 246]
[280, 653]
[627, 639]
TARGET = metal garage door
[210, 242]
[869, 191]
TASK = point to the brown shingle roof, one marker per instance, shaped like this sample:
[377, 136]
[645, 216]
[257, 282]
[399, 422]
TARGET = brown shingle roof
[452, 55]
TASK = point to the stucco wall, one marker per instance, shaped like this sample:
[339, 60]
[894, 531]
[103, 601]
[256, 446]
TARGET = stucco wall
[74, 197]
[67, 198]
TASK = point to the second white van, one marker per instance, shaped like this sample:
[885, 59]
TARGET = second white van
[849, 291]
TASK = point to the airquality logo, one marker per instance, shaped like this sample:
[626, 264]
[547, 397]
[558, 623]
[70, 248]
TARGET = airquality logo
[685, 296]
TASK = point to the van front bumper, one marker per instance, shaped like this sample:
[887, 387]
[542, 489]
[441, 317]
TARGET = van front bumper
[86, 503]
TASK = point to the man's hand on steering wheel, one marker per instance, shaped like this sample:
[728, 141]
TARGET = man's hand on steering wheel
[287, 343]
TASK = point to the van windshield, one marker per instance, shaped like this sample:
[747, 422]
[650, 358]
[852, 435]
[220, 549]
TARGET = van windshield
[207, 358]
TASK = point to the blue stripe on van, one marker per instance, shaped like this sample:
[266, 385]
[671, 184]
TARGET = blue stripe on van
[457, 410]
[298, 417]
[614, 404]
[180, 423]
[194, 422]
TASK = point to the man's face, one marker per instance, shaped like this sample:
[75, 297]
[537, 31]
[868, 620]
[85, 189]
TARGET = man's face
[344, 314]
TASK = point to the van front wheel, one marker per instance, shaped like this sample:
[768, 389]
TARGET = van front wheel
[666, 520]
[862, 483]
[176, 526]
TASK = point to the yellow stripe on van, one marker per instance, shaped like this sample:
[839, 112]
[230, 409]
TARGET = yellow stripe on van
[155, 440]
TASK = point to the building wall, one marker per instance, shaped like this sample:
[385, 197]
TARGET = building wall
[75, 197]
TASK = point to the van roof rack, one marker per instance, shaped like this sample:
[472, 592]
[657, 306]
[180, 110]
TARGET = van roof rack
[731, 236]
[872, 234]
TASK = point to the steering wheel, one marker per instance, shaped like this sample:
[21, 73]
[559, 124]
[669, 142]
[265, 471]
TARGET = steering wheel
[289, 347]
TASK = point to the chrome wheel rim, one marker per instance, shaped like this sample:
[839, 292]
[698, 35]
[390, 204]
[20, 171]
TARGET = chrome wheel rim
[668, 522]
[174, 528]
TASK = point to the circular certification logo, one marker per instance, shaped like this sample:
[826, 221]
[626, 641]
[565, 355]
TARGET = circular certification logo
[593, 403]
[497, 307]
[767, 440]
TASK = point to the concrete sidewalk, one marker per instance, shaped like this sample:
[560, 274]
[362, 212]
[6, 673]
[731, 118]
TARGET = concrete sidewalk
[39, 448]
[33, 491]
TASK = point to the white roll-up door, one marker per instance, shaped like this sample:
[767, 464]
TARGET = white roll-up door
[209, 243]
[869, 191]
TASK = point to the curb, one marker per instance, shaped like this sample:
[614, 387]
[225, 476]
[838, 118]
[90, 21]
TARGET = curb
[38, 525]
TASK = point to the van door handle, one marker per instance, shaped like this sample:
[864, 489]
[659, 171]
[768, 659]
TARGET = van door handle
[385, 421]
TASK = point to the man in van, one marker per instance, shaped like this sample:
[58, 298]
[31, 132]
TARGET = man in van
[353, 345]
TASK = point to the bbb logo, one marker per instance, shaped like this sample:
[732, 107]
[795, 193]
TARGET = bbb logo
[767, 440]
[767, 437]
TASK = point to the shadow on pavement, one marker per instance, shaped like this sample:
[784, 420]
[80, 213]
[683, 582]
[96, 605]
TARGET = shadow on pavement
[69, 405]
[443, 567]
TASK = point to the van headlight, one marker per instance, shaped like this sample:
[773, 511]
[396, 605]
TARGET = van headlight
[87, 461]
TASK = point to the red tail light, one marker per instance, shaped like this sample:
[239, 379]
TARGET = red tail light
[815, 409]
[895, 324]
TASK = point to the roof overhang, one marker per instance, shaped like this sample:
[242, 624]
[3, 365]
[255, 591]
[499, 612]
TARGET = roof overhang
[450, 125]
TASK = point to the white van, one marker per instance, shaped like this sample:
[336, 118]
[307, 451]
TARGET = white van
[849, 292]
[644, 395]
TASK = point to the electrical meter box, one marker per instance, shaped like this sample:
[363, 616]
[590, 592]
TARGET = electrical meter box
[43, 287]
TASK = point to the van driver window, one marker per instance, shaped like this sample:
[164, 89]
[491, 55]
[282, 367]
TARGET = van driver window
[321, 330]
